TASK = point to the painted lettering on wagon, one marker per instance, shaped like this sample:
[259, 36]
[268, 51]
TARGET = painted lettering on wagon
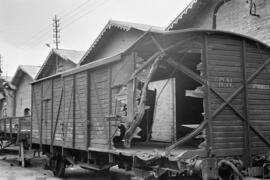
[224, 82]
[259, 86]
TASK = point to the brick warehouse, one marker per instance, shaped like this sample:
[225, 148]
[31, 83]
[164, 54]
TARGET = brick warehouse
[248, 17]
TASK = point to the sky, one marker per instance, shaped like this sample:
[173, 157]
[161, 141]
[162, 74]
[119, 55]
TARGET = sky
[26, 25]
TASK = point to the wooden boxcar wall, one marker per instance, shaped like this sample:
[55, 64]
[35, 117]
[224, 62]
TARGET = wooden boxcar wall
[105, 83]
[75, 108]
[231, 62]
[88, 97]
[46, 96]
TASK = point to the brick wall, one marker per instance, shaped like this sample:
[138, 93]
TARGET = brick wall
[234, 16]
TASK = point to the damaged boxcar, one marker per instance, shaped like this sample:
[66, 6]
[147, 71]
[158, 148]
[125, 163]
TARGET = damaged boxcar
[187, 103]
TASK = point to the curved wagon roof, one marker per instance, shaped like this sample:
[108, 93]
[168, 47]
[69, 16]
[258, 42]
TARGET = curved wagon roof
[181, 34]
[204, 31]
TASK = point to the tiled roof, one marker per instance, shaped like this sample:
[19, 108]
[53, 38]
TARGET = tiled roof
[194, 4]
[30, 70]
[126, 26]
[71, 55]
[27, 69]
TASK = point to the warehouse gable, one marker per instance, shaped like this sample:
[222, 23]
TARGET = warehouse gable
[59, 60]
[115, 37]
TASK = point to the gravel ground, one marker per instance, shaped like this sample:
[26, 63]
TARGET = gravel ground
[10, 170]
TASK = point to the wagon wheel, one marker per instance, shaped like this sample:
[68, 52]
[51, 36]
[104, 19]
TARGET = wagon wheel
[58, 166]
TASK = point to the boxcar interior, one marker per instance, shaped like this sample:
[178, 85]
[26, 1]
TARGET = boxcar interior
[188, 110]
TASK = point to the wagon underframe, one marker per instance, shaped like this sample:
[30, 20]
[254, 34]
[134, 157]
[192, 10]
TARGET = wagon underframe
[226, 73]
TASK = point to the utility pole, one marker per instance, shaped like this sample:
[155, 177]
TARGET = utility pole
[56, 31]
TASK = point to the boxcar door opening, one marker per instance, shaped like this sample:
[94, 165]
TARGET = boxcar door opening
[178, 104]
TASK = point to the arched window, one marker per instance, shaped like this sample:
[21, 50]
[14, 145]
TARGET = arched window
[26, 112]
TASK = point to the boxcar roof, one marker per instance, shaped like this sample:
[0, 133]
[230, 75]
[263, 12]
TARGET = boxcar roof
[185, 32]
[118, 57]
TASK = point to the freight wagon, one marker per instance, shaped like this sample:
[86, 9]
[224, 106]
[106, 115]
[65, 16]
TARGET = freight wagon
[185, 103]
[14, 130]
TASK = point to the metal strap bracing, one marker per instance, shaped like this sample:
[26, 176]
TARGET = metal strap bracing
[247, 142]
[227, 101]
[57, 117]
[236, 92]
[37, 116]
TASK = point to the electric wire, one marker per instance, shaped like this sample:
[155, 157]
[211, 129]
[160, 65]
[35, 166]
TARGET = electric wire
[84, 14]
[44, 32]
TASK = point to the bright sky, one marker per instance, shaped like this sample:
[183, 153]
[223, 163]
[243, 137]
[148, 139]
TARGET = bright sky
[26, 25]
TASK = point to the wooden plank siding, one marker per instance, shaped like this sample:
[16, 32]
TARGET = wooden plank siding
[46, 100]
[57, 89]
[259, 96]
[68, 109]
[81, 110]
[46, 111]
[36, 113]
[225, 75]
[99, 107]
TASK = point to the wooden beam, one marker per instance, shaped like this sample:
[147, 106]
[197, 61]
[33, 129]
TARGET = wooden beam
[160, 48]
[247, 151]
[186, 71]
[206, 99]
[145, 64]
[130, 100]
[130, 132]
[176, 45]
[158, 53]
[57, 118]
[186, 138]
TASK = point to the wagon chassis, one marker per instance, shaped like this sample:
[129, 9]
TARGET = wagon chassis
[201, 162]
